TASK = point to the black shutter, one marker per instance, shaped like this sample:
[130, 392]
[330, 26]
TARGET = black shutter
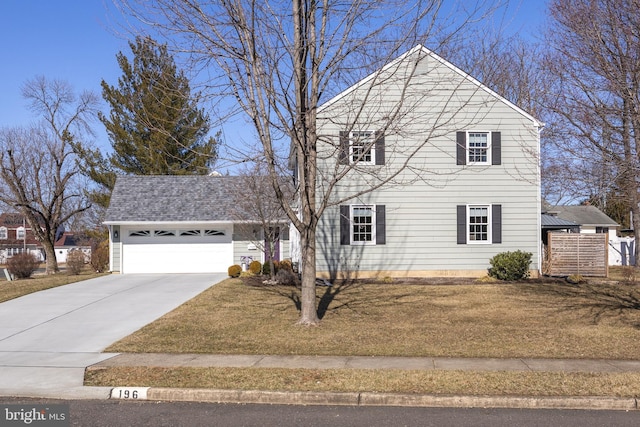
[461, 148]
[462, 224]
[381, 229]
[496, 224]
[343, 150]
[345, 229]
[496, 148]
[380, 148]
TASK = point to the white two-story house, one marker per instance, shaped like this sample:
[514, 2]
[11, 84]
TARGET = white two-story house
[430, 173]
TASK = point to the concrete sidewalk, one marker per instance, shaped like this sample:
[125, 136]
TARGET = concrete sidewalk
[369, 362]
[372, 399]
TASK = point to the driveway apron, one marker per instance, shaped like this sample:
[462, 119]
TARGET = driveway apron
[48, 338]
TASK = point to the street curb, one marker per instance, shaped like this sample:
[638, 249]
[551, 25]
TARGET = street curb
[388, 399]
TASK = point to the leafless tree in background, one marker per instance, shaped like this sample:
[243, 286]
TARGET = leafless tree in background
[259, 214]
[594, 103]
[280, 60]
[40, 176]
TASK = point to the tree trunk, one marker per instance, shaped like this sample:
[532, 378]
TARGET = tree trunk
[50, 254]
[308, 312]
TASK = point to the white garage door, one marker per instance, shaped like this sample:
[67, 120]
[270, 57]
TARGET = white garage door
[167, 250]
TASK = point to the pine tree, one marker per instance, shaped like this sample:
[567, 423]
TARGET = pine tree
[155, 126]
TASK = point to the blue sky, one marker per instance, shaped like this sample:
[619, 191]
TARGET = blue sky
[77, 40]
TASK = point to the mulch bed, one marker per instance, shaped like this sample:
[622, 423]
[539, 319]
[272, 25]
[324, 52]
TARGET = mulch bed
[258, 281]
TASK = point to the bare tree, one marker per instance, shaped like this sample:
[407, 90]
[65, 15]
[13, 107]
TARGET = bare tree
[259, 212]
[37, 164]
[281, 60]
[594, 113]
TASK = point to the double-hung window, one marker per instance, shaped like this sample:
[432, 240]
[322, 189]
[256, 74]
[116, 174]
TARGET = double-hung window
[21, 233]
[362, 225]
[479, 224]
[4, 234]
[478, 148]
[361, 149]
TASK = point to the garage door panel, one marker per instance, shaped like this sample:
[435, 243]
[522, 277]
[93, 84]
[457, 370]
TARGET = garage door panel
[141, 257]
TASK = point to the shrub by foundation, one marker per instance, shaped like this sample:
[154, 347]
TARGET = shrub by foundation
[234, 271]
[510, 265]
[255, 267]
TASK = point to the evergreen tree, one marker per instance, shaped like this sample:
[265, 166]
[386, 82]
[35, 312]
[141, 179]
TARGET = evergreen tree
[155, 126]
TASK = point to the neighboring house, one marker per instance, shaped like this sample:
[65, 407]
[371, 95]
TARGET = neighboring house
[71, 242]
[184, 224]
[589, 218]
[16, 236]
[471, 191]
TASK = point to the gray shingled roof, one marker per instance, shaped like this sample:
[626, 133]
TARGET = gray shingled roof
[583, 215]
[171, 198]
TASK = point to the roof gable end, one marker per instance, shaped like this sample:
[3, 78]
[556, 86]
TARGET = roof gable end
[426, 53]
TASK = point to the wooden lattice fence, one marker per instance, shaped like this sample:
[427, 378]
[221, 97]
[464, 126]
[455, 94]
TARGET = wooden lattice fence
[574, 253]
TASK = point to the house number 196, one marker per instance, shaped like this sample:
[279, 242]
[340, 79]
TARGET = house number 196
[129, 393]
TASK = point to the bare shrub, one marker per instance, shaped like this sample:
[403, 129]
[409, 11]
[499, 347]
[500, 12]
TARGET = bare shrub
[75, 261]
[100, 257]
[22, 266]
[629, 275]
[286, 277]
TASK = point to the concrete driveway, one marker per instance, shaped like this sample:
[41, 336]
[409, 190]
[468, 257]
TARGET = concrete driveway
[49, 337]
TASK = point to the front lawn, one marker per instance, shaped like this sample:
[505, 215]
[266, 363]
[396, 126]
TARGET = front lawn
[550, 320]
[546, 319]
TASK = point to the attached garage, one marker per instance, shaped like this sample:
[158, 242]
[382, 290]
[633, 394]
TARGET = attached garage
[170, 250]
[183, 224]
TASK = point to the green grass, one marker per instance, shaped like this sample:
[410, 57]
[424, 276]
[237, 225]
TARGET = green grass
[598, 319]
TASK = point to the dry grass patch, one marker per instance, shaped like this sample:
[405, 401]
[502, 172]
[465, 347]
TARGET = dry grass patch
[18, 288]
[529, 319]
[389, 381]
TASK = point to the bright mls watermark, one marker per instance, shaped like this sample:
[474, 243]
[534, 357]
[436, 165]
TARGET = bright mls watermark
[35, 415]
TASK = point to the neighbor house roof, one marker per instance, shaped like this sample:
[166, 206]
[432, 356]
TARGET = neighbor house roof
[171, 198]
[551, 221]
[583, 215]
[71, 240]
